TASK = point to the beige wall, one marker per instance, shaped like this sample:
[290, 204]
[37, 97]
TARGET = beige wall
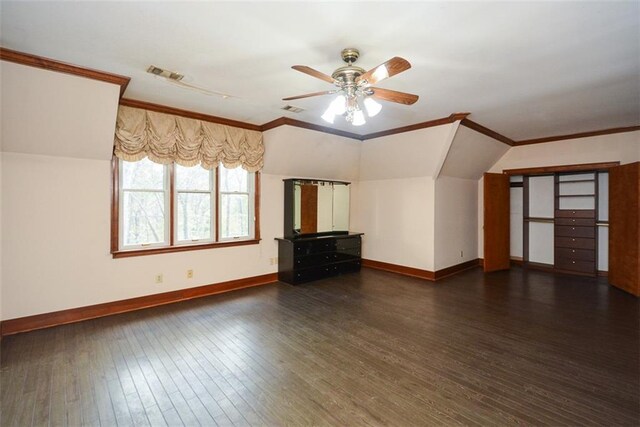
[394, 198]
[456, 223]
[621, 147]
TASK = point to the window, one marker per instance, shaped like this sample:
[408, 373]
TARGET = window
[165, 208]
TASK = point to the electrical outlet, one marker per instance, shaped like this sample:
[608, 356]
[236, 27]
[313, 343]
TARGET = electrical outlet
[274, 261]
[159, 278]
[189, 274]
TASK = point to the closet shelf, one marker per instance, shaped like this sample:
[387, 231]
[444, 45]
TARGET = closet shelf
[576, 195]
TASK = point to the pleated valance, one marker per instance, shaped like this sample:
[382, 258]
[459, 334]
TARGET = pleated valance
[165, 138]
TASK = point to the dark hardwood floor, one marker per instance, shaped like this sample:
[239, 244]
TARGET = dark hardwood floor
[373, 348]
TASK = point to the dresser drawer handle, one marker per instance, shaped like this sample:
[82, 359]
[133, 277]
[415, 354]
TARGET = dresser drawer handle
[573, 228]
[573, 220]
[573, 240]
[573, 262]
[573, 250]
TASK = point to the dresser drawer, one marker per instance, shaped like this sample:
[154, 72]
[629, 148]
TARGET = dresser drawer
[575, 265]
[575, 243]
[313, 260]
[575, 254]
[570, 231]
[314, 246]
[348, 243]
[575, 213]
[585, 222]
[315, 273]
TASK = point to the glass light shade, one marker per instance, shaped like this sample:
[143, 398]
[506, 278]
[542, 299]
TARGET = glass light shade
[372, 107]
[358, 118]
[328, 115]
[339, 105]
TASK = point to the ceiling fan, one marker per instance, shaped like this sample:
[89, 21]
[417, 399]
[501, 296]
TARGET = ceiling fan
[354, 86]
[176, 79]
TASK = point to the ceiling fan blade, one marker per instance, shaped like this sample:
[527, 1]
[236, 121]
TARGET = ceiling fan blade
[313, 73]
[394, 66]
[394, 96]
[197, 88]
[309, 95]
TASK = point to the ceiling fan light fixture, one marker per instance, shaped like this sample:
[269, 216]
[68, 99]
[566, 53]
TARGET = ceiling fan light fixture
[339, 105]
[358, 118]
[328, 115]
[372, 107]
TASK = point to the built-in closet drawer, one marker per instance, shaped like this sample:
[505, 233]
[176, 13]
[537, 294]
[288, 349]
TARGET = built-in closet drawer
[575, 213]
[575, 265]
[570, 231]
[575, 243]
[576, 254]
[581, 222]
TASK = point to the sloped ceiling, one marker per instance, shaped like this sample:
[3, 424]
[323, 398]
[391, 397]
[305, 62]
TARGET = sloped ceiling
[57, 114]
[524, 69]
[471, 154]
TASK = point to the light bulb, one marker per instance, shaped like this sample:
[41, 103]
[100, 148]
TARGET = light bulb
[358, 118]
[328, 115]
[338, 105]
[372, 107]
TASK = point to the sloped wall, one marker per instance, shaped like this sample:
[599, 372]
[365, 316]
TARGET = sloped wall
[395, 198]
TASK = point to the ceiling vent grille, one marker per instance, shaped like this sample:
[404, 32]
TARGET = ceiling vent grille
[164, 73]
[292, 109]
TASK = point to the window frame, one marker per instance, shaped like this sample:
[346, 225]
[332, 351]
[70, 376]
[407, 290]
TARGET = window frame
[213, 183]
[173, 245]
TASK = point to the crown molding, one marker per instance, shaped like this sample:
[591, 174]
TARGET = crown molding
[486, 131]
[62, 67]
[577, 135]
[437, 122]
[189, 114]
[282, 121]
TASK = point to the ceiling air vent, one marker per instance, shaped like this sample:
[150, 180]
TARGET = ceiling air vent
[164, 73]
[292, 109]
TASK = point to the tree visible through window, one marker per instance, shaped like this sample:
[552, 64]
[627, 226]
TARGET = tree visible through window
[173, 205]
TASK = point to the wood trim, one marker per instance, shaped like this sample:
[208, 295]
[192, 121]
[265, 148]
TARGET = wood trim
[577, 135]
[287, 121]
[419, 273]
[115, 204]
[172, 204]
[486, 131]
[183, 248]
[539, 266]
[47, 320]
[189, 114]
[399, 269]
[256, 207]
[546, 170]
[437, 122]
[62, 67]
[455, 269]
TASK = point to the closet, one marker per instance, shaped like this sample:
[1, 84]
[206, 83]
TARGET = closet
[559, 221]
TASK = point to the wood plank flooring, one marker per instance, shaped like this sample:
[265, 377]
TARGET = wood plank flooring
[372, 348]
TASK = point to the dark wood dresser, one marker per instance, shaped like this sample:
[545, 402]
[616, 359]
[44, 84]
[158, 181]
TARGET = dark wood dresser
[304, 259]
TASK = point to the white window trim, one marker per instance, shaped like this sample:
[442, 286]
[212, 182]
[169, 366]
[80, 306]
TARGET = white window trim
[167, 225]
[212, 192]
[251, 179]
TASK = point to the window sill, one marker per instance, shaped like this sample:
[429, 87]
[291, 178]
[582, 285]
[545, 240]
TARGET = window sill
[182, 248]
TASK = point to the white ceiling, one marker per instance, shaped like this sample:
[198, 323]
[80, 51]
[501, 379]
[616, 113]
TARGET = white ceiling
[523, 69]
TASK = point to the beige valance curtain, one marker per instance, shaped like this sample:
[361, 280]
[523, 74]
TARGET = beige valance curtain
[166, 138]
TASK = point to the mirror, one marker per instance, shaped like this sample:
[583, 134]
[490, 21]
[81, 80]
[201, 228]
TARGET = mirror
[316, 207]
